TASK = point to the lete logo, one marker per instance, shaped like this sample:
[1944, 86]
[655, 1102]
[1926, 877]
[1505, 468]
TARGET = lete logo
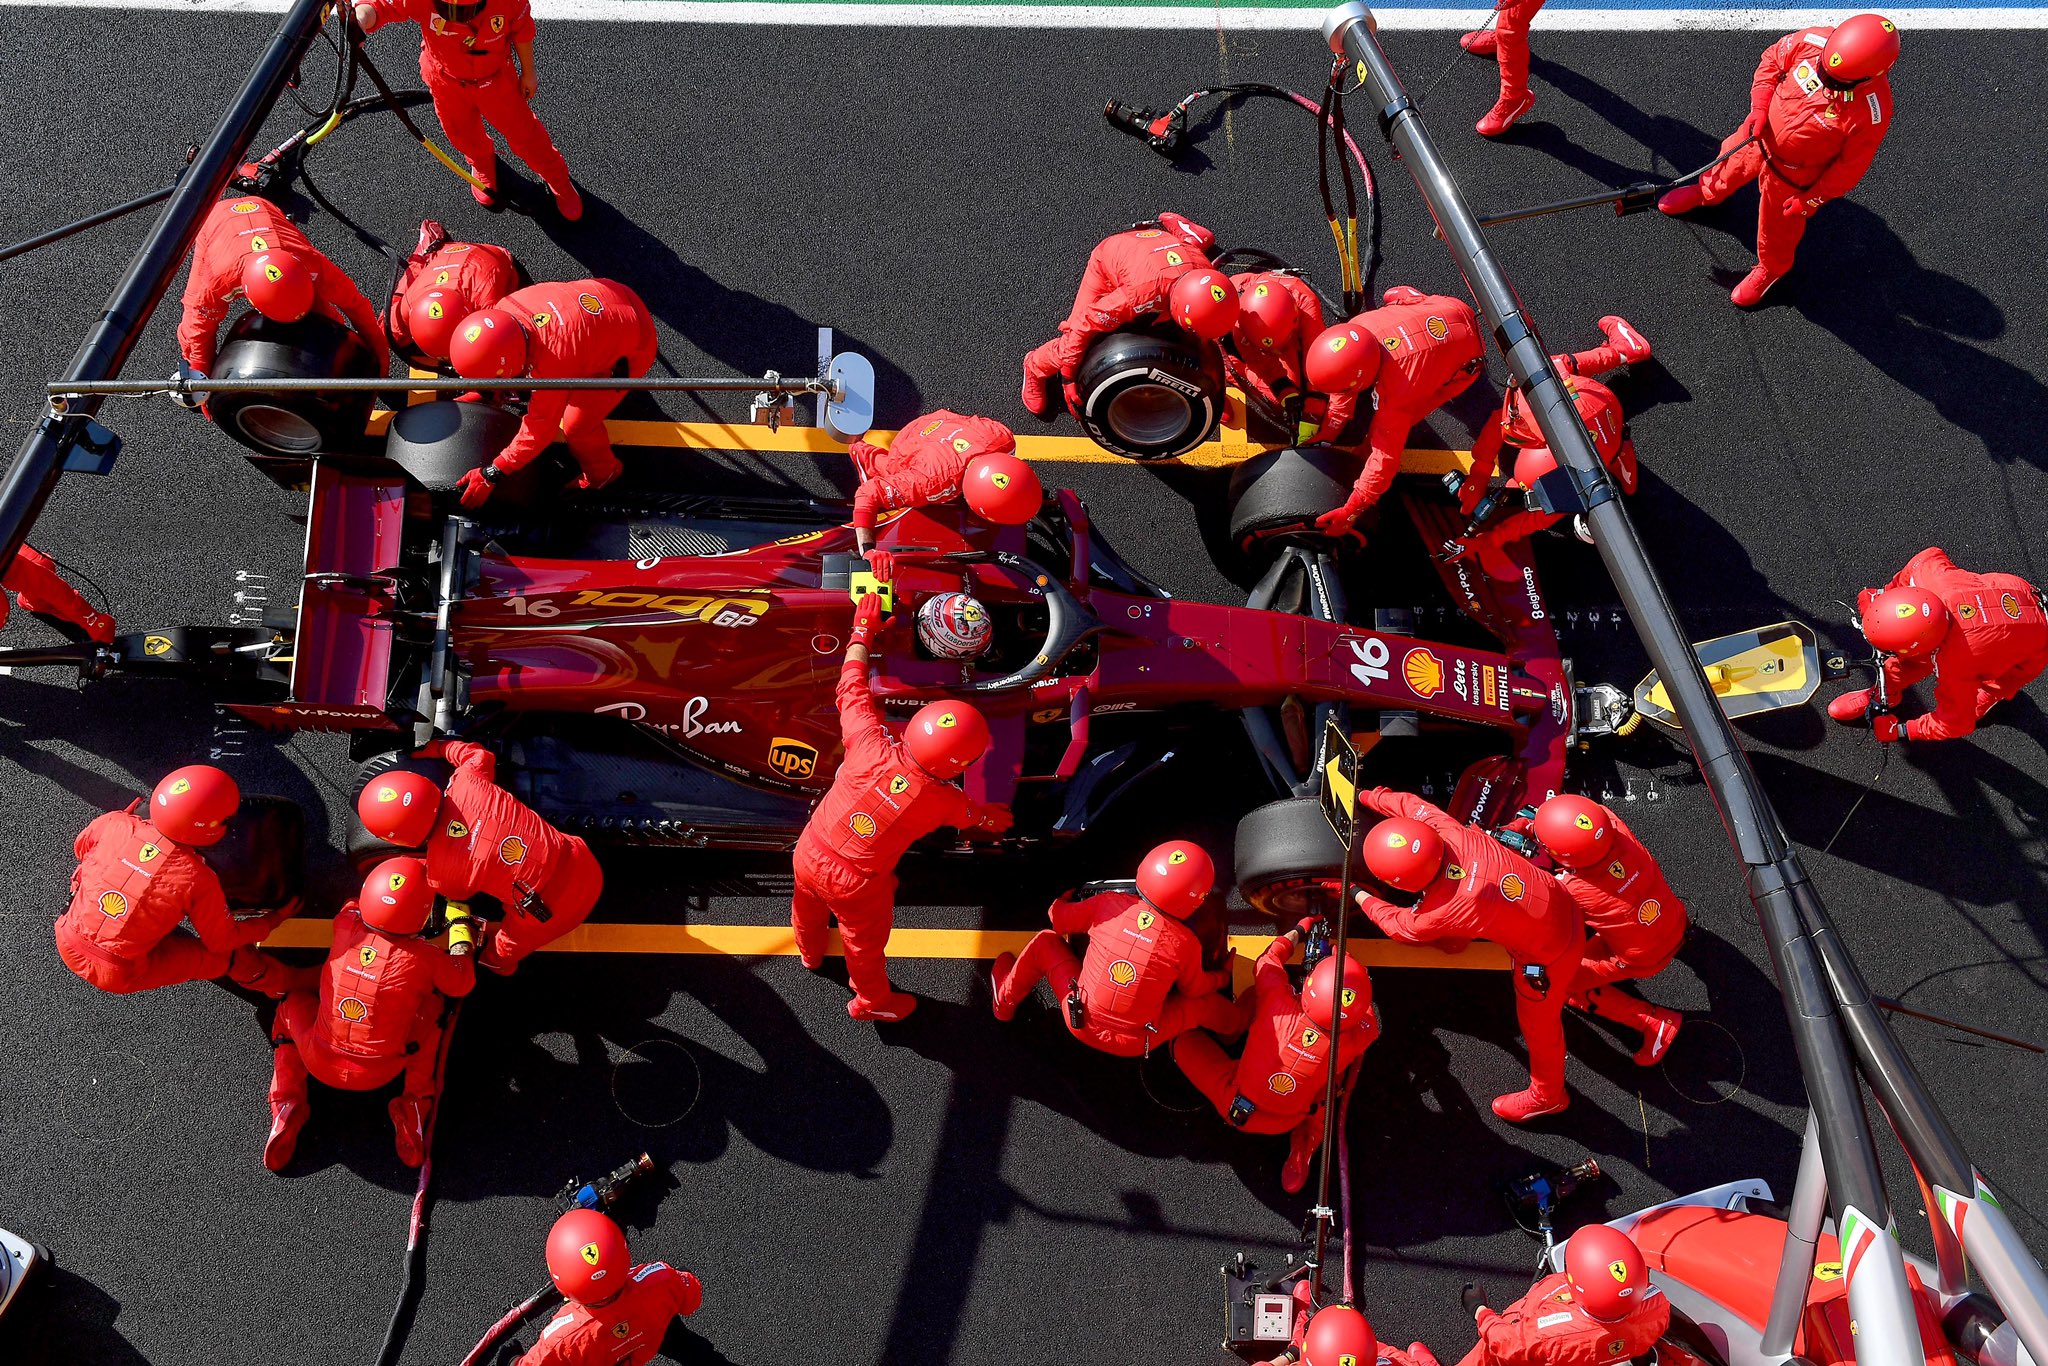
[695, 725]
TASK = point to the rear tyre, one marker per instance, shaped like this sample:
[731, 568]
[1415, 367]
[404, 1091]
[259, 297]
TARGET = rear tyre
[1277, 496]
[437, 443]
[1150, 393]
[261, 860]
[286, 430]
[1285, 849]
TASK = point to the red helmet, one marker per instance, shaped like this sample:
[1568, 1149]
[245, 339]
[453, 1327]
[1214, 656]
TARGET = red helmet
[1343, 360]
[193, 804]
[945, 737]
[1574, 829]
[279, 285]
[396, 897]
[1606, 1272]
[1532, 463]
[1267, 318]
[1338, 1335]
[1177, 877]
[1001, 488]
[1862, 46]
[1324, 1000]
[489, 345]
[432, 318]
[1205, 303]
[1905, 621]
[587, 1257]
[399, 808]
[1404, 853]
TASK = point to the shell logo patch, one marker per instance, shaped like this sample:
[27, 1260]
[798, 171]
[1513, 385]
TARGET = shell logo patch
[366, 955]
[1511, 887]
[591, 304]
[1454, 871]
[1618, 1270]
[243, 206]
[947, 720]
[153, 646]
[351, 1009]
[113, 904]
[457, 830]
[1146, 920]
[1437, 327]
[1423, 672]
[1310, 1037]
[512, 850]
[1348, 997]
[1616, 870]
[147, 852]
[862, 824]
[590, 1254]
[2009, 603]
[1123, 972]
[898, 785]
[1281, 1083]
[791, 758]
[1648, 912]
[999, 479]
[181, 787]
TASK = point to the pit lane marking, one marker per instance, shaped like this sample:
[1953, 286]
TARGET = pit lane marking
[778, 941]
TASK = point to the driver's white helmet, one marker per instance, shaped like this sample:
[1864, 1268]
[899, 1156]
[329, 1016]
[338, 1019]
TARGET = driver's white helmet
[954, 626]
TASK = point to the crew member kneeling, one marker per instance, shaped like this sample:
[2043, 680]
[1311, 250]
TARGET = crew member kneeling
[1278, 317]
[1142, 983]
[886, 795]
[617, 1313]
[578, 329]
[1276, 1086]
[477, 837]
[377, 1014]
[137, 879]
[443, 282]
[1601, 1308]
[935, 459]
[1983, 637]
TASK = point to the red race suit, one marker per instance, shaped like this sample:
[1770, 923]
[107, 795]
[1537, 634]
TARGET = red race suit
[1141, 985]
[487, 840]
[1433, 355]
[236, 229]
[469, 70]
[1997, 643]
[578, 329]
[131, 892]
[44, 592]
[1274, 376]
[626, 1330]
[477, 273]
[1813, 142]
[1128, 277]
[1547, 1328]
[879, 804]
[925, 463]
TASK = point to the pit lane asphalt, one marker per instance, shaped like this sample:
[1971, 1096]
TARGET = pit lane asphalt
[948, 1190]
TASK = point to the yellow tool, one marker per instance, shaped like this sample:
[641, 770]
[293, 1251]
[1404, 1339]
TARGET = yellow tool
[1762, 670]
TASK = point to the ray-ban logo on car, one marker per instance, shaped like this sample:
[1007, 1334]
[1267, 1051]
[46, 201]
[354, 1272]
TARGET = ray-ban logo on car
[694, 723]
[1175, 383]
[791, 758]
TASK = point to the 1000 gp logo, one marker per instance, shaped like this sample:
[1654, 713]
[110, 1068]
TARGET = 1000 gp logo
[703, 607]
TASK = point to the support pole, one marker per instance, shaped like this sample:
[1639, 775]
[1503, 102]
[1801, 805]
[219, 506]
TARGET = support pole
[1802, 1236]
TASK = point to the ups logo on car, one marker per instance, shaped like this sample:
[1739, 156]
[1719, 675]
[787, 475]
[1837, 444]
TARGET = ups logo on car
[791, 758]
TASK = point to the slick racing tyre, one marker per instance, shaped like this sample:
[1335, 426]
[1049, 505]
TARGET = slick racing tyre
[1150, 393]
[286, 430]
[261, 860]
[437, 443]
[1284, 849]
[1281, 493]
[365, 851]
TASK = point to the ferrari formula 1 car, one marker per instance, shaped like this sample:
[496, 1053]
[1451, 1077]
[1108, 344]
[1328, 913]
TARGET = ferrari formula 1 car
[662, 669]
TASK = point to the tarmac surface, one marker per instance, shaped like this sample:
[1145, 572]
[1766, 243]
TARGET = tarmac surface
[948, 1189]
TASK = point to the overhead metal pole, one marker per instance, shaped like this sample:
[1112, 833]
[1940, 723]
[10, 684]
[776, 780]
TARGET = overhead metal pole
[40, 462]
[1878, 1289]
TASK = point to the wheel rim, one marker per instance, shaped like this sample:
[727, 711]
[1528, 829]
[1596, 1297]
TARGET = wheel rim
[1149, 415]
[1289, 900]
[277, 429]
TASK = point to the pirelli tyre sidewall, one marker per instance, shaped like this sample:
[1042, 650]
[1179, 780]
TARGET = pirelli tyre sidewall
[286, 430]
[437, 443]
[1150, 393]
[1284, 848]
[1279, 495]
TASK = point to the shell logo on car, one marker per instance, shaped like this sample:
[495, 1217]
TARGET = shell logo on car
[1423, 672]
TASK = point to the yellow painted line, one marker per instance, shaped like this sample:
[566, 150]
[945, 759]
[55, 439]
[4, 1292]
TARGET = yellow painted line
[778, 941]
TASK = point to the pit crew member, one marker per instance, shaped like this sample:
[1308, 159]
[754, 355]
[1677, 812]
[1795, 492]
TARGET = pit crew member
[1634, 921]
[376, 1016]
[43, 591]
[617, 1312]
[442, 283]
[575, 329]
[1470, 886]
[1819, 107]
[1337, 1334]
[477, 837]
[887, 794]
[1507, 42]
[1276, 1085]
[1278, 315]
[936, 458]
[247, 248]
[1142, 983]
[1982, 636]
[1158, 267]
[1416, 352]
[140, 875]
[467, 59]
[1601, 1308]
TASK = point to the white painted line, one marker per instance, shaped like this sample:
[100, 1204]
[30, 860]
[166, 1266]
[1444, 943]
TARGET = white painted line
[1206, 18]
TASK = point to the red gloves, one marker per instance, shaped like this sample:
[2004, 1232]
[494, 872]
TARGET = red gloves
[1886, 728]
[882, 565]
[1795, 207]
[868, 620]
[475, 488]
[1402, 294]
[1337, 521]
[995, 819]
[1073, 394]
[607, 472]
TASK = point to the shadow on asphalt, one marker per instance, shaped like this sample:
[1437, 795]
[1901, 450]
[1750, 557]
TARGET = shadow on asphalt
[67, 1318]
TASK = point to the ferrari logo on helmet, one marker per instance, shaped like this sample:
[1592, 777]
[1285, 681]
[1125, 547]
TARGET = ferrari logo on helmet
[1123, 972]
[947, 720]
[435, 309]
[1904, 610]
[1583, 821]
[1511, 887]
[1618, 1270]
[394, 882]
[512, 849]
[351, 1009]
[1348, 997]
[1261, 291]
[591, 304]
[1281, 1083]
[1834, 59]
[591, 1255]
[1397, 841]
[1177, 857]
[1648, 912]
[271, 272]
[366, 955]
[898, 785]
[1438, 328]
[1310, 1038]
[147, 852]
[113, 904]
[1337, 343]
[457, 830]
[181, 787]
[862, 824]
[1889, 26]
[1347, 1359]
[472, 332]
[387, 793]
[1216, 293]
[1146, 920]
[999, 479]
